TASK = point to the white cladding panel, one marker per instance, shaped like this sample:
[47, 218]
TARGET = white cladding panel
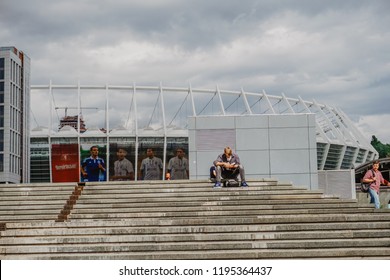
[289, 138]
[269, 146]
[252, 138]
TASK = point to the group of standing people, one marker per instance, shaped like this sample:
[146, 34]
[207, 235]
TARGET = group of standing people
[93, 168]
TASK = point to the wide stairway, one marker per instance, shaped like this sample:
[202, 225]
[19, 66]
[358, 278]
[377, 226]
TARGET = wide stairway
[187, 220]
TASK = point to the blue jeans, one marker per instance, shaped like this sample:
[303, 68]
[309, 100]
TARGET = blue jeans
[374, 198]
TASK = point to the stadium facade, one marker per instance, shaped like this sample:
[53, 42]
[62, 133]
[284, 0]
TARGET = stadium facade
[137, 117]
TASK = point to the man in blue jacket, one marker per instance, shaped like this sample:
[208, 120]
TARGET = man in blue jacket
[93, 168]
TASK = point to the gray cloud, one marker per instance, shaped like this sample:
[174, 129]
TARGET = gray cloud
[335, 52]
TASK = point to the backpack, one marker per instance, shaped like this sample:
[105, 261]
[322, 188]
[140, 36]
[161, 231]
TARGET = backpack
[364, 187]
[232, 183]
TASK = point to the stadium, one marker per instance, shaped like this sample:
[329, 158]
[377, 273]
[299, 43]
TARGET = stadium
[137, 117]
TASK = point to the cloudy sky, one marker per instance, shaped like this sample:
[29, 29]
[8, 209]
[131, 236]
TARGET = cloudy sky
[335, 52]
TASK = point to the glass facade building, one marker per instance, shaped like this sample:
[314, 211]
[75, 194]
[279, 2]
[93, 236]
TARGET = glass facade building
[14, 116]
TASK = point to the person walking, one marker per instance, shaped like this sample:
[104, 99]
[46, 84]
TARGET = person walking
[374, 176]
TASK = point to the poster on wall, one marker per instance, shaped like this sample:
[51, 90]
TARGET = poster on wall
[150, 158]
[177, 163]
[93, 163]
[122, 157]
[65, 163]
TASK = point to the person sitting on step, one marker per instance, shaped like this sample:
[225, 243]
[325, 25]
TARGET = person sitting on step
[228, 166]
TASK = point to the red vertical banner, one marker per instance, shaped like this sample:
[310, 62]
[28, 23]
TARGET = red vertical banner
[65, 163]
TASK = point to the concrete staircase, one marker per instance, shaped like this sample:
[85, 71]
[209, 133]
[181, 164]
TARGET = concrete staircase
[187, 220]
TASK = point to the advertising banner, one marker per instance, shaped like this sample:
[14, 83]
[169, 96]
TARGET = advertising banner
[65, 163]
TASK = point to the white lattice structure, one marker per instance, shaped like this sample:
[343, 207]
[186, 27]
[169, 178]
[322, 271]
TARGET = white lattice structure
[159, 111]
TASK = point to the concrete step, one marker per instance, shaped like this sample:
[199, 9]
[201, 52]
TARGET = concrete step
[326, 253]
[192, 207]
[189, 220]
[80, 238]
[104, 247]
[126, 227]
[35, 202]
[375, 215]
[206, 213]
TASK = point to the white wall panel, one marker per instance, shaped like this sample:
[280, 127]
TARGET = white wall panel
[295, 120]
[252, 139]
[289, 138]
[285, 149]
[219, 122]
[289, 161]
[255, 162]
[251, 122]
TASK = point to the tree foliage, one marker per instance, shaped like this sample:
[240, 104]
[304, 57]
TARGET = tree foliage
[382, 149]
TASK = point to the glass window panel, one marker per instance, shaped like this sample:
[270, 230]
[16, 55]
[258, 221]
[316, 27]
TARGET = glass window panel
[1, 162]
[1, 140]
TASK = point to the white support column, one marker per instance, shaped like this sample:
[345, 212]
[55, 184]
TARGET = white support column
[78, 107]
[248, 108]
[302, 102]
[342, 157]
[136, 132]
[49, 132]
[50, 107]
[78, 123]
[164, 129]
[107, 136]
[192, 101]
[135, 108]
[107, 112]
[365, 158]
[268, 102]
[287, 103]
[163, 109]
[220, 101]
[50, 161]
